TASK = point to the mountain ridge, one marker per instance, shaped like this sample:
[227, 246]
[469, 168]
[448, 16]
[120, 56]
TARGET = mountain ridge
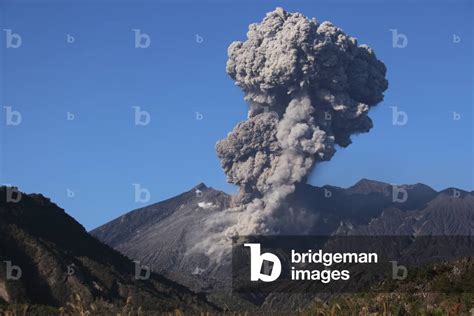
[59, 260]
[366, 207]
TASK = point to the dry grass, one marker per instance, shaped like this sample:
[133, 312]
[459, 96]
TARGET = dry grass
[387, 304]
[393, 304]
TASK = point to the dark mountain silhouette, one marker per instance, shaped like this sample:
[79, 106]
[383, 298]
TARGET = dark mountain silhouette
[445, 214]
[366, 186]
[60, 261]
[156, 234]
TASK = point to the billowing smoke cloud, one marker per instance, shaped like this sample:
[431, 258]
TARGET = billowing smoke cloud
[309, 87]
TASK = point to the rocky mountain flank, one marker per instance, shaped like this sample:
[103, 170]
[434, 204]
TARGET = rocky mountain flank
[48, 258]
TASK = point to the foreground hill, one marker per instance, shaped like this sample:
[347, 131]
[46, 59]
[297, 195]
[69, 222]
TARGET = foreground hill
[60, 263]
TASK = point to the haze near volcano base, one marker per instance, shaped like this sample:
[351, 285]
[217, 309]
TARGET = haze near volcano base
[309, 87]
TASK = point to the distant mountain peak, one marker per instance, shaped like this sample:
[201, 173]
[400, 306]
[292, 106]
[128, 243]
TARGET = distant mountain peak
[365, 181]
[201, 186]
[366, 186]
[419, 186]
[455, 192]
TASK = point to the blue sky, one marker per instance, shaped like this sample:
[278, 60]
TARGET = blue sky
[101, 75]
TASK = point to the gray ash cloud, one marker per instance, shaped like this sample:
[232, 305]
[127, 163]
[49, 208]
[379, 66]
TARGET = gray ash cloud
[309, 87]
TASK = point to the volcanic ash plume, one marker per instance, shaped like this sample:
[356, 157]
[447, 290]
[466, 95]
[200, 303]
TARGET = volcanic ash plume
[309, 87]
